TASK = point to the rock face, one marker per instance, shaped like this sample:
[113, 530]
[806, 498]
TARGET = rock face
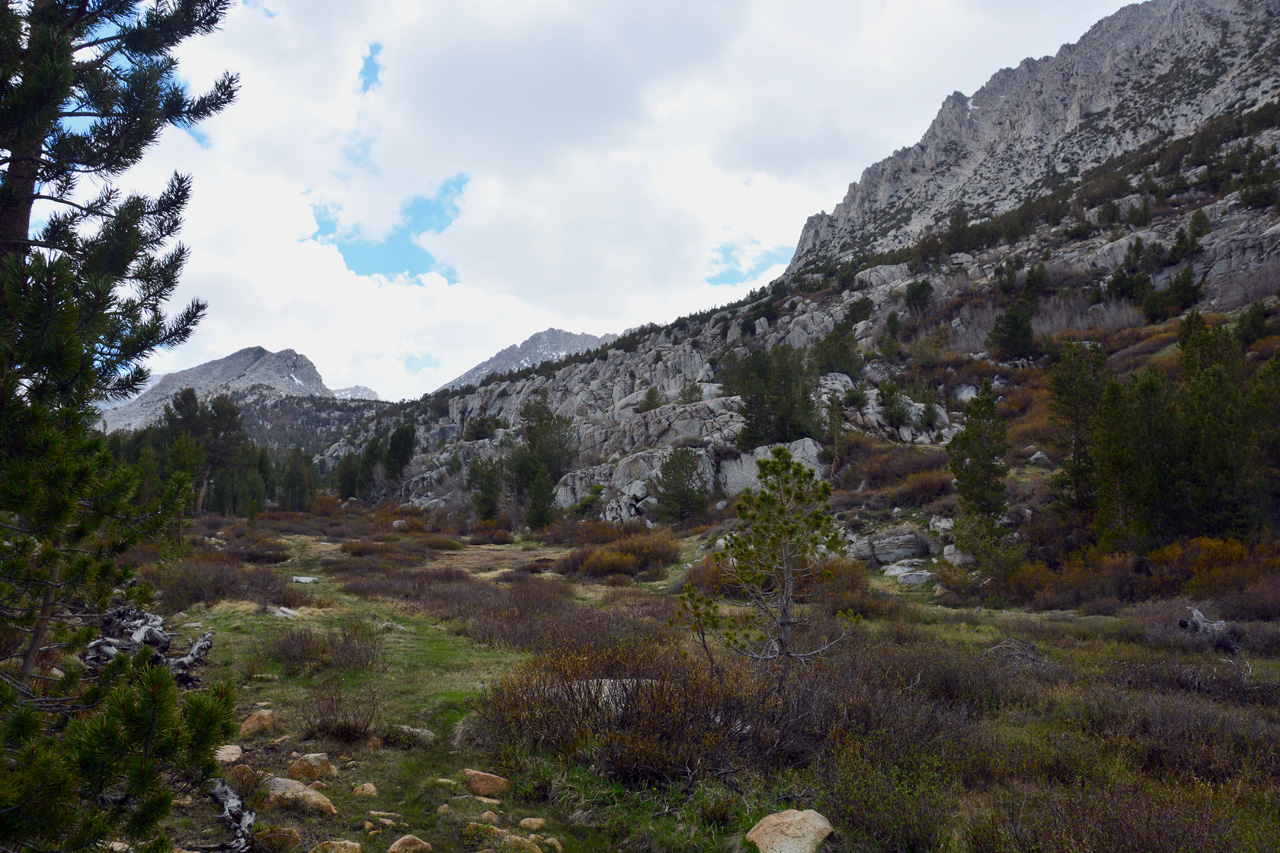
[544, 346]
[790, 831]
[248, 374]
[1153, 68]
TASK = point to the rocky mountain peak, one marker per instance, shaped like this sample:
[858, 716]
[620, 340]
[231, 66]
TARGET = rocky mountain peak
[547, 345]
[1153, 69]
[253, 374]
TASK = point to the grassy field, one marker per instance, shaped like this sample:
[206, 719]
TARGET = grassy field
[927, 729]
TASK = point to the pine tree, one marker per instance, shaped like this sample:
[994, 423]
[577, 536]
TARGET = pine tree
[1075, 386]
[785, 540]
[85, 88]
[542, 501]
[400, 450]
[977, 461]
[678, 487]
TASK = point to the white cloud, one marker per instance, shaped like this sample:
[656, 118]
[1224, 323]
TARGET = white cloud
[614, 151]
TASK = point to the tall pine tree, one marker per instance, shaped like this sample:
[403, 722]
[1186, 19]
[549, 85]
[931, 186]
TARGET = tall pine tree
[85, 87]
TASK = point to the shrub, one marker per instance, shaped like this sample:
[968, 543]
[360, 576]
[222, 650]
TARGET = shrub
[337, 712]
[630, 556]
[1139, 816]
[888, 802]
[566, 531]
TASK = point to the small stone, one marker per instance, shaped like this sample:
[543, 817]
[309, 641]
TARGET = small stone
[305, 579]
[489, 817]
[386, 814]
[533, 824]
[337, 847]
[443, 808]
[262, 720]
[228, 754]
[486, 784]
[489, 801]
[409, 844]
[309, 768]
[282, 739]
[385, 821]
[368, 789]
[317, 785]
[368, 824]
[554, 844]
[448, 783]
[266, 676]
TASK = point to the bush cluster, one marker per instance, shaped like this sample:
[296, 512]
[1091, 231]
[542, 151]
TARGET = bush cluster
[631, 556]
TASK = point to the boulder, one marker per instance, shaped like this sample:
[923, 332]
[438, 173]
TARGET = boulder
[533, 824]
[486, 784]
[916, 578]
[262, 720]
[368, 789]
[309, 768]
[790, 831]
[409, 844]
[228, 754]
[281, 791]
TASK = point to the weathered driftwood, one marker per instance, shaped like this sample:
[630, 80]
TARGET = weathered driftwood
[128, 629]
[240, 818]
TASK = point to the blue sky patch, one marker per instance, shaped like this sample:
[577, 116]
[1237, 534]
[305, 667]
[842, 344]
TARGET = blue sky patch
[414, 363]
[398, 254]
[202, 139]
[371, 68]
[730, 259]
[254, 4]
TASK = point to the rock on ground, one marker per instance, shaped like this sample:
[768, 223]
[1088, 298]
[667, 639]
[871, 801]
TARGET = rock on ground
[790, 831]
[290, 790]
[486, 784]
[262, 720]
[409, 844]
[311, 767]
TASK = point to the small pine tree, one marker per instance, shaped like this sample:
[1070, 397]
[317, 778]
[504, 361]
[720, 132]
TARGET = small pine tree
[542, 501]
[652, 399]
[678, 487]
[785, 540]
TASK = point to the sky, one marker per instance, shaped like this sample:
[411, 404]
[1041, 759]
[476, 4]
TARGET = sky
[405, 187]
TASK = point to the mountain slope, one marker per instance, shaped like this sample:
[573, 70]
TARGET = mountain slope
[1149, 70]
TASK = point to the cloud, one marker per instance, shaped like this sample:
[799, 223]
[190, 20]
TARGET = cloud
[404, 187]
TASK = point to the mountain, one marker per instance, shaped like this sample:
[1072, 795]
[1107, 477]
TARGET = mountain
[356, 392]
[252, 374]
[545, 346]
[1139, 166]
[1149, 71]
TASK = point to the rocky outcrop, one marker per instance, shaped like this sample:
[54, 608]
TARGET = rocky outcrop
[1156, 68]
[723, 470]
